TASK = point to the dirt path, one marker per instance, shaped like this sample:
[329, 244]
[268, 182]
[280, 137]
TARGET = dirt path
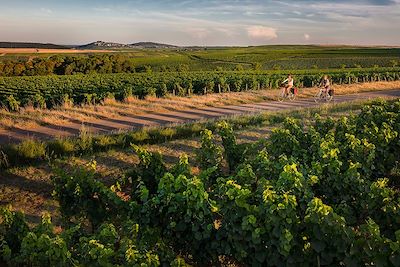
[106, 125]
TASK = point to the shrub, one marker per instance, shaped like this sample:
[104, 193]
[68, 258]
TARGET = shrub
[103, 142]
[85, 141]
[38, 101]
[61, 147]
[162, 90]
[67, 101]
[127, 93]
[163, 134]
[12, 104]
[137, 137]
[30, 150]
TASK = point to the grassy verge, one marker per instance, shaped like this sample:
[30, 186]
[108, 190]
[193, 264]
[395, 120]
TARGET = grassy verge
[28, 188]
[32, 151]
[73, 116]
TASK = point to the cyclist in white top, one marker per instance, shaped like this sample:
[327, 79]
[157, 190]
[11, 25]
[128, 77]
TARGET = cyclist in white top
[289, 85]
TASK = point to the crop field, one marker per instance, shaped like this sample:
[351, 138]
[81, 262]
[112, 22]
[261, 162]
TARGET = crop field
[48, 91]
[49, 80]
[264, 57]
[183, 157]
[33, 51]
[306, 188]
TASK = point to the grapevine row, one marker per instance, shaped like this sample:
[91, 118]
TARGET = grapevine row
[41, 91]
[307, 196]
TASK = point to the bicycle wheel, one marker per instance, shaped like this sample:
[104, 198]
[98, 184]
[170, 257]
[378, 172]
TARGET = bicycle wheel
[281, 96]
[318, 97]
[329, 98]
[291, 96]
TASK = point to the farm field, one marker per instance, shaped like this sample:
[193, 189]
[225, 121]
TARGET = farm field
[141, 157]
[113, 116]
[248, 58]
[52, 90]
[33, 51]
[114, 147]
[309, 190]
[114, 162]
[200, 133]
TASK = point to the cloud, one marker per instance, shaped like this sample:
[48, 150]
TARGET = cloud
[46, 11]
[198, 33]
[307, 36]
[102, 9]
[354, 2]
[262, 32]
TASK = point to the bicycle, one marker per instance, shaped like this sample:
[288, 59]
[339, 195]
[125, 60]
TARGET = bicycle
[323, 95]
[291, 95]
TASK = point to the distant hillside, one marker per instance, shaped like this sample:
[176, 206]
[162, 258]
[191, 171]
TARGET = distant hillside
[111, 45]
[152, 45]
[31, 45]
[102, 45]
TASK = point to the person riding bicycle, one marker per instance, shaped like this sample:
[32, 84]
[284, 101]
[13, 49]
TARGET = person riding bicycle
[326, 85]
[289, 84]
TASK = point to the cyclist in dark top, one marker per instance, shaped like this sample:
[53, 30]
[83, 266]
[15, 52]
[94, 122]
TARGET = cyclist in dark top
[326, 84]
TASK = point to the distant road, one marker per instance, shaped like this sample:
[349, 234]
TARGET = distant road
[107, 125]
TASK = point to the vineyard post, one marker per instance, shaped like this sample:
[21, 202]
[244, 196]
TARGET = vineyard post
[219, 88]
[205, 90]
[247, 87]
[229, 88]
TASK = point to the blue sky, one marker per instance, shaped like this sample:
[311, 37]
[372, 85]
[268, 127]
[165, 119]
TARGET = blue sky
[202, 22]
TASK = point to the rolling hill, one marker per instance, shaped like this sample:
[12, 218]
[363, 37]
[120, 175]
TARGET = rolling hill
[32, 45]
[139, 45]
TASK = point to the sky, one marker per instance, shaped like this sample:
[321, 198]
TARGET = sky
[202, 22]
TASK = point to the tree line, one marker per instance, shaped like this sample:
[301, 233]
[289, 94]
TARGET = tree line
[68, 65]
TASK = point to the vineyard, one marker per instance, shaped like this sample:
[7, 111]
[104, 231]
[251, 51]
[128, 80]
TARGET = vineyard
[200, 59]
[312, 195]
[48, 91]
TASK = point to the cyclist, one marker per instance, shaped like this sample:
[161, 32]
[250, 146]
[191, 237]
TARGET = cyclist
[326, 85]
[289, 84]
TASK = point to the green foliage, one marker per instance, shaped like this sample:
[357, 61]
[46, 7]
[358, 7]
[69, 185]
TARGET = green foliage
[234, 153]
[306, 197]
[148, 173]
[61, 147]
[39, 101]
[11, 103]
[210, 154]
[82, 197]
[107, 245]
[29, 150]
[91, 89]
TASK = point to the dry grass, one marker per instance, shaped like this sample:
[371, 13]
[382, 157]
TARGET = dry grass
[355, 88]
[29, 188]
[68, 115]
